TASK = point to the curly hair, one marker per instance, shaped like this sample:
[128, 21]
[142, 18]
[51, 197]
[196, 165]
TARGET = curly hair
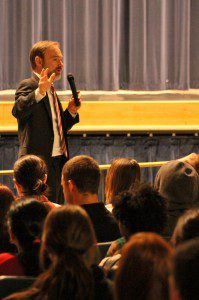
[142, 210]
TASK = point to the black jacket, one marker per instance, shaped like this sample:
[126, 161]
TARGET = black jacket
[35, 127]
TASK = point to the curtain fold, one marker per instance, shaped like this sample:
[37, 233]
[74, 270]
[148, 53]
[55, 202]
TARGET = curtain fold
[107, 44]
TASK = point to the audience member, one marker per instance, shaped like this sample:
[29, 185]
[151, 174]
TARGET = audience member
[185, 281]
[143, 210]
[178, 182]
[30, 175]
[6, 199]
[186, 228]
[193, 160]
[144, 269]
[124, 174]
[80, 181]
[25, 221]
[69, 241]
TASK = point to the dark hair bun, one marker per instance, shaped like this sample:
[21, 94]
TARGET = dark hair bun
[40, 187]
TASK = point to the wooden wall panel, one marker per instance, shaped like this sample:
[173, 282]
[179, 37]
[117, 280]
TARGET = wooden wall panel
[103, 116]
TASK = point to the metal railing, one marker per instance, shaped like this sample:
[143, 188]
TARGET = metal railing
[105, 167]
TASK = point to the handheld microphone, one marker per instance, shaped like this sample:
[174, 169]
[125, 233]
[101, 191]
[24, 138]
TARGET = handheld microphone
[71, 81]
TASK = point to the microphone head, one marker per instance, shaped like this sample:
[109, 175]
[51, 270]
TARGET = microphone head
[70, 77]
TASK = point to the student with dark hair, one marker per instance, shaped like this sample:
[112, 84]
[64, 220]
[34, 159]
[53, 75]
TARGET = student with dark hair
[187, 227]
[30, 175]
[69, 241]
[25, 222]
[185, 280]
[144, 269]
[124, 174]
[80, 181]
[142, 210]
[6, 199]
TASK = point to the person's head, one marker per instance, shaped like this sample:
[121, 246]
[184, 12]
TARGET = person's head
[80, 176]
[144, 268]
[47, 54]
[6, 199]
[30, 175]
[69, 241]
[25, 222]
[185, 281]
[141, 210]
[193, 160]
[178, 182]
[124, 174]
[68, 236]
[187, 227]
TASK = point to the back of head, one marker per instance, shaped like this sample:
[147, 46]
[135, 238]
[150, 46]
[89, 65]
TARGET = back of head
[142, 210]
[39, 49]
[68, 228]
[186, 266]
[69, 238]
[124, 174]
[144, 268]
[25, 221]
[6, 199]
[85, 173]
[30, 172]
[187, 227]
[178, 181]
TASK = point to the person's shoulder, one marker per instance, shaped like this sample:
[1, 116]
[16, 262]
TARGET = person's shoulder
[10, 265]
[29, 81]
[6, 256]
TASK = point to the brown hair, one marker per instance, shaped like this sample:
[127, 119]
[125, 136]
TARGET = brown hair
[144, 268]
[124, 174]
[69, 238]
[29, 172]
[39, 49]
[6, 199]
[85, 173]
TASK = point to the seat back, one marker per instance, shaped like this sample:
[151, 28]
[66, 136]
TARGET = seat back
[12, 284]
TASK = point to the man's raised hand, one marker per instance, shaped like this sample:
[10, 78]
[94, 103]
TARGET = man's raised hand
[45, 82]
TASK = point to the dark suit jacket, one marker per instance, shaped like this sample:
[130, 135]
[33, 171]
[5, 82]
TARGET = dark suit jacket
[35, 127]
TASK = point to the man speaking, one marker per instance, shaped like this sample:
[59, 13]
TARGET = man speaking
[42, 122]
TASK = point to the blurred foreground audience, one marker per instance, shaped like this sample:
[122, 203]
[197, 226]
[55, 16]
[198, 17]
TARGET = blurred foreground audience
[6, 199]
[185, 281]
[144, 269]
[25, 223]
[80, 181]
[69, 242]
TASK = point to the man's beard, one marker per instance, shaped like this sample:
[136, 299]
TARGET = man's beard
[57, 76]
